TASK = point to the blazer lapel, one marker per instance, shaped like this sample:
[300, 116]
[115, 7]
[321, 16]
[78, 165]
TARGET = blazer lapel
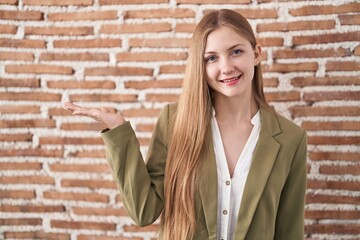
[263, 159]
[208, 184]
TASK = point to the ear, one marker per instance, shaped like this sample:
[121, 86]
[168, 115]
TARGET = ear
[258, 53]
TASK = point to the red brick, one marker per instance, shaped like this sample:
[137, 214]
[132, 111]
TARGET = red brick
[340, 126]
[102, 84]
[62, 31]
[282, 96]
[160, 13]
[83, 16]
[16, 137]
[340, 170]
[331, 199]
[145, 127]
[119, 71]
[39, 69]
[185, 27]
[148, 84]
[350, 19]
[311, 53]
[324, 9]
[324, 96]
[271, 82]
[155, 97]
[290, 67]
[88, 154]
[92, 184]
[324, 81]
[357, 51]
[17, 56]
[334, 156]
[83, 225]
[135, 228]
[338, 140]
[27, 96]
[342, 66]
[28, 152]
[76, 196]
[88, 43]
[19, 109]
[9, 2]
[30, 208]
[20, 166]
[99, 168]
[70, 140]
[135, 28]
[24, 43]
[17, 194]
[100, 211]
[21, 15]
[20, 221]
[58, 112]
[8, 29]
[270, 41]
[160, 42]
[150, 56]
[165, 69]
[28, 123]
[334, 228]
[74, 56]
[298, 111]
[83, 126]
[58, 2]
[319, 184]
[296, 26]
[32, 83]
[120, 2]
[103, 237]
[326, 214]
[212, 1]
[327, 38]
[250, 13]
[28, 180]
[141, 112]
[37, 235]
[103, 98]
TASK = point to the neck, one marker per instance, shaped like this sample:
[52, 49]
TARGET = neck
[235, 110]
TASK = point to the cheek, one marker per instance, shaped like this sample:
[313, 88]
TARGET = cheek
[211, 71]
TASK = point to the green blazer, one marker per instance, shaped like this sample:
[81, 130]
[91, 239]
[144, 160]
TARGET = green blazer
[273, 202]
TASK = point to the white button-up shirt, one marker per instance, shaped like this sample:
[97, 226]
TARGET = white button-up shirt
[230, 190]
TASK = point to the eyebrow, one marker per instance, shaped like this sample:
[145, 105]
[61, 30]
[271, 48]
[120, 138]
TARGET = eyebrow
[230, 48]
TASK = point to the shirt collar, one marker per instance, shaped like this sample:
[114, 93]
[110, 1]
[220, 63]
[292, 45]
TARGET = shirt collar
[255, 120]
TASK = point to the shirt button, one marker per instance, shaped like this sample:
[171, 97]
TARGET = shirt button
[227, 183]
[225, 212]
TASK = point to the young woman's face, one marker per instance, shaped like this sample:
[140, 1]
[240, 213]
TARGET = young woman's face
[230, 60]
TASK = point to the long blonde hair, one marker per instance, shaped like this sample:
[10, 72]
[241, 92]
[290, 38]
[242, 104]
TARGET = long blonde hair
[190, 125]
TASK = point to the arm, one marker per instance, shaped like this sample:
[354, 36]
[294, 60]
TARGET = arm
[290, 215]
[141, 186]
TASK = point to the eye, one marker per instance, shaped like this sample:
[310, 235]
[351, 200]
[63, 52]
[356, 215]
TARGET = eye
[236, 52]
[211, 58]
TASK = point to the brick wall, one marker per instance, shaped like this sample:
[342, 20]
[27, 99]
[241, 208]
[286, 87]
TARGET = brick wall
[130, 55]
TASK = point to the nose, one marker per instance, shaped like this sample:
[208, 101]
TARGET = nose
[226, 66]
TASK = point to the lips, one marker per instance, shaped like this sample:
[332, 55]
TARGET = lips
[229, 80]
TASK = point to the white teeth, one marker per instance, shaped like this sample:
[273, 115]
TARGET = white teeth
[230, 80]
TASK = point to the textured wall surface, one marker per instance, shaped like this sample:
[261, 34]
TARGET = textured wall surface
[130, 55]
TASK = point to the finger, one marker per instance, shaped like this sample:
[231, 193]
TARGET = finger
[71, 107]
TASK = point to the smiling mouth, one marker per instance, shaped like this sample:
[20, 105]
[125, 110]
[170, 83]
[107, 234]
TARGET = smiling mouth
[228, 80]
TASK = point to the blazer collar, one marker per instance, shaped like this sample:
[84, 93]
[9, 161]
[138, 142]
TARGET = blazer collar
[263, 159]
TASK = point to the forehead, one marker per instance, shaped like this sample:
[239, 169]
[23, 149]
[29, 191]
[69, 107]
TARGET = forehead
[223, 38]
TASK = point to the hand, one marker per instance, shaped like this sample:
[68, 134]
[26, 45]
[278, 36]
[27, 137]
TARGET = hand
[101, 115]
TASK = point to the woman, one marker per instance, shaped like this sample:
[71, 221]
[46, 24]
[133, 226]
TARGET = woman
[221, 163]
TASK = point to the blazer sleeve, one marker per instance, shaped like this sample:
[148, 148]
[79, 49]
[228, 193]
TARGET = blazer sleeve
[290, 215]
[141, 185]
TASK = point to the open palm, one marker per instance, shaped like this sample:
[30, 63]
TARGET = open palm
[102, 115]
